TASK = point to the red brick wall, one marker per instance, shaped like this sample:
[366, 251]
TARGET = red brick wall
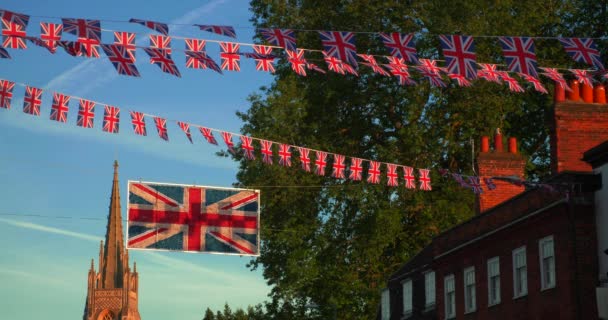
[576, 128]
[500, 164]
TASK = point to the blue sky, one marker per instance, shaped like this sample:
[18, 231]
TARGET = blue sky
[63, 173]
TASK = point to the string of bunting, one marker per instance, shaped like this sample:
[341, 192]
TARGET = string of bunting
[339, 52]
[311, 160]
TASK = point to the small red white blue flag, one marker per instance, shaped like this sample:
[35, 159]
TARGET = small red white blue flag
[263, 58]
[285, 155]
[247, 146]
[340, 45]
[430, 70]
[333, 64]
[204, 59]
[489, 183]
[32, 100]
[373, 172]
[304, 158]
[320, 162]
[126, 40]
[401, 45]
[206, 132]
[227, 31]
[392, 179]
[111, 119]
[83, 28]
[372, 63]
[59, 107]
[14, 17]
[512, 82]
[50, 33]
[163, 60]
[356, 169]
[230, 56]
[400, 70]
[91, 47]
[297, 61]
[583, 50]
[475, 185]
[14, 35]
[425, 179]
[489, 72]
[186, 129]
[156, 26]
[408, 176]
[195, 45]
[459, 53]
[266, 151]
[338, 166]
[6, 93]
[582, 76]
[139, 124]
[554, 75]
[538, 86]
[86, 113]
[284, 38]
[160, 42]
[227, 136]
[161, 127]
[4, 54]
[121, 59]
[520, 55]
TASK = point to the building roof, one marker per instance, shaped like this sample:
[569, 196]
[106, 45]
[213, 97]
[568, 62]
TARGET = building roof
[597, 155]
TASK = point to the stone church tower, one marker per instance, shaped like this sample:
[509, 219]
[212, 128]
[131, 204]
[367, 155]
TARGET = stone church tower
[112, 292]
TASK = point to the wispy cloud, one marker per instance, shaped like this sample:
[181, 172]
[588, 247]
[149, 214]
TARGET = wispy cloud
[43, 228]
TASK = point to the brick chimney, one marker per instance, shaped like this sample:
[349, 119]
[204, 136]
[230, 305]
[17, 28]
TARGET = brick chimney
[579, 123]
[499, 163]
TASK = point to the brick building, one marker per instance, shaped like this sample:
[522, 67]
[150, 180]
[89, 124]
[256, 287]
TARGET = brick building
[526, 254]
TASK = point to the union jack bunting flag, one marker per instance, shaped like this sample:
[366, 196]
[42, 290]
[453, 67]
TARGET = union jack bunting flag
[459, 53]
[284, 38]
[408, 176]
[186, 129]
[425, 179]
[312, 66]
[371, 62]
[111, 119]
[59, 108]
[83, 28]
[297, 61]
[489, 183]
[14, 35]
[160, 42]
[162, 59]
[86, 114]
[489, 72]
[554, 75]
[320, 162]
[538, 86]
[263, 62]
[72, 48]
[195, 45]
[356, 169]
[206, 132]
[156, 26]
[475, 185]
[519, 53]
[333, 64]
[285, 155]
[582, 76]
[161, 127]
[40, 43]
[583, 50]
[227, 31]
[247, 146]
[338, 166]
[50, 34]
[392, 179]
[230, 56]
[400, 45]
[139, 124]
[126, 40]
[91, 47]
[6, 93]
[14, 17]
[373, 172]
[121, 59]
[227, 137]
[340, 45]
[400, 70]
[304, 158]
[32, 101]
[459, 178]
[461, 80]
[193, 218]
[430, 70]
[266, 151]
[4, 54]
[512, 82]
[203, 58]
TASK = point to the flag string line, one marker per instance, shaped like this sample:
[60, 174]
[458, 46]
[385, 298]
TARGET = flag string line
[302, 30]
[141, 35]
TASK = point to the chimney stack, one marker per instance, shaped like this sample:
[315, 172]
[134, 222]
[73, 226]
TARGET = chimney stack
[579, 123]
[498, 163]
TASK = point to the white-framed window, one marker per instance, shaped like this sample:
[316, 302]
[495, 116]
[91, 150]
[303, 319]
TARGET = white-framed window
[386, 304]
[449, 288]
[469, 290]
[407, 297]
[493, 281]
[520, 276]
[547, 263]
[429, 289]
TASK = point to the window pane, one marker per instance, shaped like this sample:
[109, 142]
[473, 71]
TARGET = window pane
[386, 313]
[429, 288]
[407, 296]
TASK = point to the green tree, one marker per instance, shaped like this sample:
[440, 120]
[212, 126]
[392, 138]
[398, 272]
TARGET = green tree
[331, 243]
[209, 315]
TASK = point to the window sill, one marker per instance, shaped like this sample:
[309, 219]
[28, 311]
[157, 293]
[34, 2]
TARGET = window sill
[547, 288]
[520, 296]
[470, 311]
[406, 315]
[450, 317]
[429, 308]
[493, 304]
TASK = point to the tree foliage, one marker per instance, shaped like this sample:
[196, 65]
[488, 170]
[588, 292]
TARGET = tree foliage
[329, 245]
[252, 313]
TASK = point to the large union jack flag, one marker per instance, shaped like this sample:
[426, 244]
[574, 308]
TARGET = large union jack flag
[121, 59]
[340, 45]
[400, 45]
[227, 31]
[459, 53]
[6, 93]
[193, 218]
[14, 35]
[162, 59]
[284, 38]
[32, 100]
[156, 26]
[583, 50]
[83, 28]
[519, 53]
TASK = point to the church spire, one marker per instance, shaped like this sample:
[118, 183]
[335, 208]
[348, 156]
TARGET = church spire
[112, 273]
